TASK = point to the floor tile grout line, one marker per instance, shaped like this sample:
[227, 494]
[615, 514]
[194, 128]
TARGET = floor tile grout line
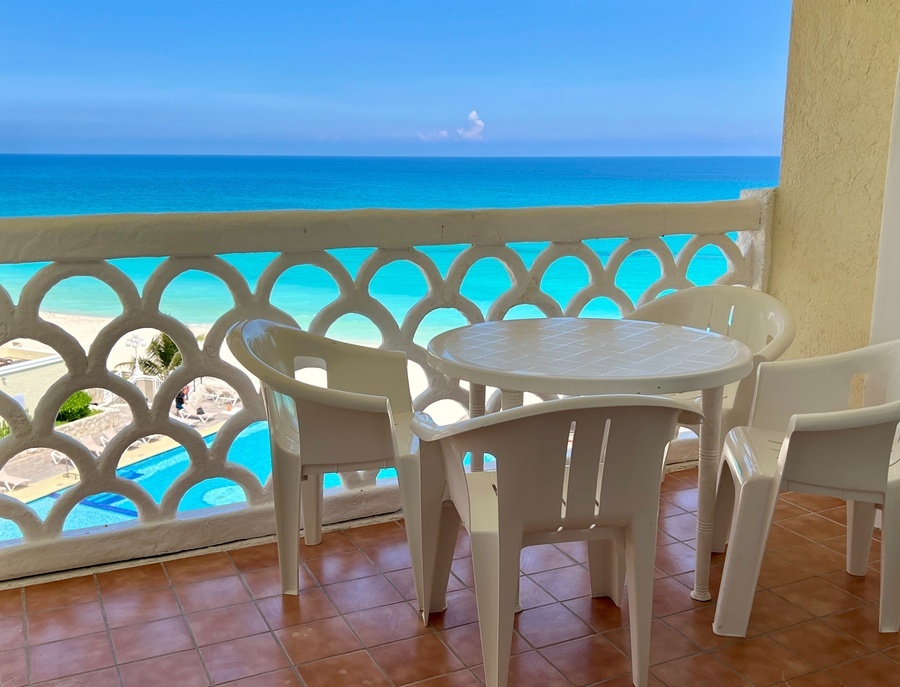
[106, 626]
[25, 631]
[271, 630]
[187, 624]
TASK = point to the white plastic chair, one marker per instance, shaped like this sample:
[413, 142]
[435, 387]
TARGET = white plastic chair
[577, 469]
[360, 422]
[804, 436]
[752, 317]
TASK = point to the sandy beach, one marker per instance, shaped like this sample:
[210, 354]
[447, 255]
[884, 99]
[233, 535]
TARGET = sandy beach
[85, 329]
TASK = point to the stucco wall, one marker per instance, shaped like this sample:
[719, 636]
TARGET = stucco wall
[840, 90]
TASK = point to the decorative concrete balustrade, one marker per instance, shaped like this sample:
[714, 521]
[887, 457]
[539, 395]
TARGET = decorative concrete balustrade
[83, 246]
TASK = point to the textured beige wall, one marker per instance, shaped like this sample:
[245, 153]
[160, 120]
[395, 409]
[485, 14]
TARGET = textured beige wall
[840, 89]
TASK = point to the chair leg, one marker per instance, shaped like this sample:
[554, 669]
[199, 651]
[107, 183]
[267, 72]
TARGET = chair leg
[889, 611]
[606, 558]
[754, 507]
[311, 505]
[286, 488]
[860, 524]
[431, 527]
[724, 508]
[443, 559]
[496, 565]
[640, 554]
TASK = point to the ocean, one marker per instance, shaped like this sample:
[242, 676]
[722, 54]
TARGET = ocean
[46, 185]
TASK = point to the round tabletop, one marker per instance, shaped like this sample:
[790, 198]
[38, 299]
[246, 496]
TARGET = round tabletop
[580, 356]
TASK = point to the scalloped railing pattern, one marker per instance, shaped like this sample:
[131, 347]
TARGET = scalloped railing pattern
[82, 246]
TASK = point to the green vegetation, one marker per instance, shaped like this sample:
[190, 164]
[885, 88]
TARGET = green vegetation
[161, 358]
[4, 429]
[77, 406]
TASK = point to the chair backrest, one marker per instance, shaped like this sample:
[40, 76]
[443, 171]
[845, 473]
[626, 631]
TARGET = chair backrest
[754, 318]
[349, 421]
[831, 444]
[569, 465]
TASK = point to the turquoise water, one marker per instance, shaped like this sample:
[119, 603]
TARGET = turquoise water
[35, 185]
[156, 474]
[63, 185]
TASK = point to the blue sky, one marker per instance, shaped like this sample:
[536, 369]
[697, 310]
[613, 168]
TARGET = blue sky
[569, 77]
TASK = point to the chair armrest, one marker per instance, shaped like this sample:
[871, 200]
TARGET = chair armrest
[780, 343]
[424, 427]
[845, 419]
[814, 385]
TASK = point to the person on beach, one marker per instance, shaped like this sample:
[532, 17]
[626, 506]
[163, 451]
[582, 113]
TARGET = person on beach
[180, 396]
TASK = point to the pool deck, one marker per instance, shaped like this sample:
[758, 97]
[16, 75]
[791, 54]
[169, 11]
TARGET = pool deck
[67, 478]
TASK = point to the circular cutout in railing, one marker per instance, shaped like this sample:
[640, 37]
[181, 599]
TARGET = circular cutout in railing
[564, 278]
[251, 450]
[302, 291]
[398, 286]
[29, 368]
[357, 329]
[524, 311]
[601, 307]
[80, 296]
[196, 297]
[485, 280]
[437, 321]
[637, 273]
[707, 265]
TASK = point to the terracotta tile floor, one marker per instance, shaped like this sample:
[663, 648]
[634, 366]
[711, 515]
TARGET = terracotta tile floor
[219, 618]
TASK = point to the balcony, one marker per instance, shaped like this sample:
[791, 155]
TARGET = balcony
[218, 617]
[192, 594]
[208, 481]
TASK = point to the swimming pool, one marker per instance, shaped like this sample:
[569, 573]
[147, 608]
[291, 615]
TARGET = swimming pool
[155, 474]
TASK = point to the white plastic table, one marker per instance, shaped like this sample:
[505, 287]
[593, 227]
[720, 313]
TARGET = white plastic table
[579, 356]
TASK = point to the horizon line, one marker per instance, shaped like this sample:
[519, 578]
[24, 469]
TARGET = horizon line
[398, 156]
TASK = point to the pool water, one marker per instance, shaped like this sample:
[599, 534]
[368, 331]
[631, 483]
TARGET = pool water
[156, 474]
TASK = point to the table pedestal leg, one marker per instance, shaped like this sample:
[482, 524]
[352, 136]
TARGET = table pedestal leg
[710, 431]
[511, 399]
[476, 400]
[476, 409]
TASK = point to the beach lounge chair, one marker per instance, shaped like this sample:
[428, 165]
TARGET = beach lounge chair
[219, 395]
[199, 418]
[61, 458]
[183, 417]
[104, 440]
[10, 482]
[93, 445]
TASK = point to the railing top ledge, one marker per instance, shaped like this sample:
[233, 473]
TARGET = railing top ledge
[99, 237]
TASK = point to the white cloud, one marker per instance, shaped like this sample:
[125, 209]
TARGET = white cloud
[475, 130]
[434, 136]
